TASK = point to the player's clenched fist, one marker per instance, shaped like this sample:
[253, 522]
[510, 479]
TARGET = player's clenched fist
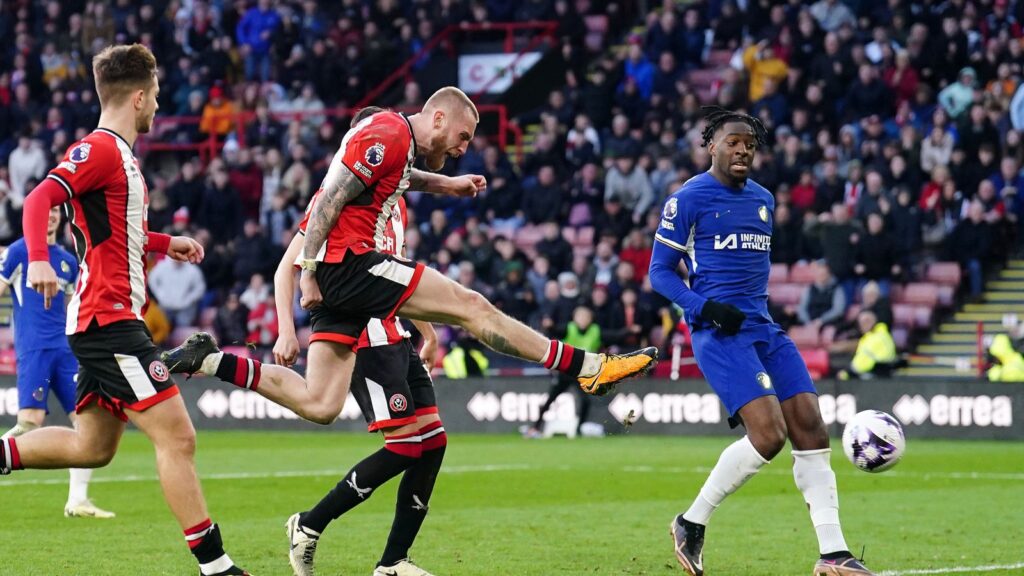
[43, 279]
[468, 186]
[726, 317]
[286, 350]
[311, 297]
[184, 249]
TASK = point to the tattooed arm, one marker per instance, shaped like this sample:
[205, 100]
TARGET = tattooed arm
[467, 185]
[340, 187]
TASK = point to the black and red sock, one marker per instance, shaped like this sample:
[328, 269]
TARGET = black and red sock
[397, 455]
[205, 542]
[564, 358]
[414, 494]
[242, 372]
[10, 460]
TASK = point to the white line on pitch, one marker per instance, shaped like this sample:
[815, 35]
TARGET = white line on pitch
[787, 472]
[258, 475]
[953, 570]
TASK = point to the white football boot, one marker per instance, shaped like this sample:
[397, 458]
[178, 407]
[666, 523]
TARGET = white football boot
[401, 568]
[303, 543]
[86, 509]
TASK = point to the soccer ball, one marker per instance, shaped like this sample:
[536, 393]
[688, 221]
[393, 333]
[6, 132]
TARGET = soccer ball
[873, 441]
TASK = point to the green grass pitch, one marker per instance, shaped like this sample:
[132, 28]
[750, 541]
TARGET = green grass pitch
[506, 506]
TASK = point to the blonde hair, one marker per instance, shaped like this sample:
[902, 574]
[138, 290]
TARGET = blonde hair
[450, 97]
[120, 70]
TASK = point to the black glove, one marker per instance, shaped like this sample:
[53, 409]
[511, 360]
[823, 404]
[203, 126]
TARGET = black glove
[726, 317]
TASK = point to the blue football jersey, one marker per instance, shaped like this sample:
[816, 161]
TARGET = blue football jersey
[36, 328]
[724, 236]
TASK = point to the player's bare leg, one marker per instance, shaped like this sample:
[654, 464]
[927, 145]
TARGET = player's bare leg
[812, 471]
[319, 397]
[79, 505]
[169, 428]
[91, 444]
[440, 299]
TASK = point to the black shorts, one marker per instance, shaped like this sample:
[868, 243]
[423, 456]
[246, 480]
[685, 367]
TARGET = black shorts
[360, 287]
[119, 368]
[391, 385]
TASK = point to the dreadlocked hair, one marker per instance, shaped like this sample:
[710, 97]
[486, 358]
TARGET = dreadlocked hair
[717, 116]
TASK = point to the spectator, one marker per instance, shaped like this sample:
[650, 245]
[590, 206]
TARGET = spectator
[178, 287]
[763, 64]
[255, 292]
[876, 256]
[876, 350]
[255, 35]
[542, 200]
[970, 244]
[936, 149]
[555, 248]
[838, 238]
[10, 222]
[253, 254]
[823, 302]
[514, 295]
[262, 324]
[638, 69]
[868, 95]
[609, 315]
[788, 243]
[187, 191]
[901, 78]
[231, 321]
[628, 183]
[959, 95]
[219, 211]
[27, 161]
[832, 14]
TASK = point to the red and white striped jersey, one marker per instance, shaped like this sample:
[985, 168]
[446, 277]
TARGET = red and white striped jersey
[107, 209]
[380, 151]
[388, 331]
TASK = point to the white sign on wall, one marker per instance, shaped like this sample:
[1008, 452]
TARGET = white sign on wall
[476, 71]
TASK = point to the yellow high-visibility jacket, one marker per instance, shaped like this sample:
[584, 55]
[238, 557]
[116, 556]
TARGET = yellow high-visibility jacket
[875, 347]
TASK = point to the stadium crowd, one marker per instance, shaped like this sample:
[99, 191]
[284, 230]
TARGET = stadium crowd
[896, 139]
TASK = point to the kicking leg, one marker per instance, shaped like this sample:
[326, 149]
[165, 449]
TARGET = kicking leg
[169, 428]
[440, 299]
[318, 398]
[812, 471]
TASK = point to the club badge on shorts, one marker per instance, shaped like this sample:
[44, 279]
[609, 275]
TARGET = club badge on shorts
[158, 372]
[398, 403]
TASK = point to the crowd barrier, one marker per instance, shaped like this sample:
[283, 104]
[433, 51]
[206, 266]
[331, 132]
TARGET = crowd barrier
[927, 409]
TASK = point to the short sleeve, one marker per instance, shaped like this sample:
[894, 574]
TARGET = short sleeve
[375, 149]
[677, 217]
[87, 166]
[12, 262]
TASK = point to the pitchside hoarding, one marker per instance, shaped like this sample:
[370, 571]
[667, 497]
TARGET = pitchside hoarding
[934, 409]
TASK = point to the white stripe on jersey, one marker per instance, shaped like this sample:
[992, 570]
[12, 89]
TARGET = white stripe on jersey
[376, 333]
[389, 205]
[135, 214]
[75, 305]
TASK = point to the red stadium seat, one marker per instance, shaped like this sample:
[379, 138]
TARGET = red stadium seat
[945, 273]
[8, 361]
[785, 294]
[801, 273]
[923, 317]
[896, 293]
[817, 362]
[947, 295]
[805, 336]
[6, 338]
[901, 336]
[778, 274]
[921, 293]
[828, 335]
[903, 315]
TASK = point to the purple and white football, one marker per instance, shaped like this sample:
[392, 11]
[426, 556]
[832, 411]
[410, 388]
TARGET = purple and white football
[873, 441]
